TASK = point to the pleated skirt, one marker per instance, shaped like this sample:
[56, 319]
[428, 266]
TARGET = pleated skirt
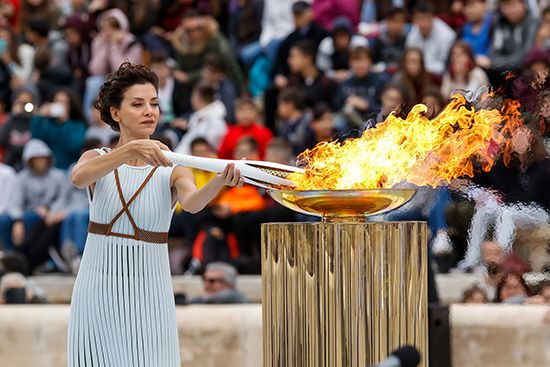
[122, 307]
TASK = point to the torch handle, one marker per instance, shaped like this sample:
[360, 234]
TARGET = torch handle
[250, 174]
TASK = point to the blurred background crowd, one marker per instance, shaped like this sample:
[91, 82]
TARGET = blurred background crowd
[267, 79]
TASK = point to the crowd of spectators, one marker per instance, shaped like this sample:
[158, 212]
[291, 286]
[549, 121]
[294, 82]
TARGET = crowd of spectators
[257, 79]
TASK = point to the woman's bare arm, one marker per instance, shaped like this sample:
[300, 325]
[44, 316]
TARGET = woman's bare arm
[91, 166]
[194, 200]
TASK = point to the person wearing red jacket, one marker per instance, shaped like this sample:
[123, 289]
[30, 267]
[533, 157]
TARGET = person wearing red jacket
[246, 114]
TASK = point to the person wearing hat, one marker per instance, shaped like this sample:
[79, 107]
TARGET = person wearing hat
[333, 53]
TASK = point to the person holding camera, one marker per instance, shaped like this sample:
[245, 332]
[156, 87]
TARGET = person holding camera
[61, 125]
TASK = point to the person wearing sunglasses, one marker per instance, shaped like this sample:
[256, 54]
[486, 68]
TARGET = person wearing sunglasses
[219, 285]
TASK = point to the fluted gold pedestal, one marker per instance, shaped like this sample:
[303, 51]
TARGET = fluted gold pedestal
[343, 294]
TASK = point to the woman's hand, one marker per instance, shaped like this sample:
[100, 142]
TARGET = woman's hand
[149, 151]
[230, 176]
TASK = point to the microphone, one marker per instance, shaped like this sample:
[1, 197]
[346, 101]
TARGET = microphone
[405, 356]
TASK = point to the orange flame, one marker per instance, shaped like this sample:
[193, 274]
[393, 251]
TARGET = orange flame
[416, 149]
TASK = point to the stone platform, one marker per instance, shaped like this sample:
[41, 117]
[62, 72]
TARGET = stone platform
[230, 336]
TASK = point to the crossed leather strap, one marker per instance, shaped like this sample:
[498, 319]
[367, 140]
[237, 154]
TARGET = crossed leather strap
[139, 234]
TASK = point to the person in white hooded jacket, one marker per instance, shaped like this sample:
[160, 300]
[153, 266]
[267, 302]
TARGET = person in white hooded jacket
[208, 120]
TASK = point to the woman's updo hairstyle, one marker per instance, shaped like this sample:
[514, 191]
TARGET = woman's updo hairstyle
[112, 91]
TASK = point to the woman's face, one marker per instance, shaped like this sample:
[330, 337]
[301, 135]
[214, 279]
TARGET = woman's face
[459, 60]
[512, 288]
[139, 111]
[477, 297]
[391, 100]
[413, 64]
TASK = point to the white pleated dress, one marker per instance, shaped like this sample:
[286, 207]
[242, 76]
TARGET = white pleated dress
[122, 308]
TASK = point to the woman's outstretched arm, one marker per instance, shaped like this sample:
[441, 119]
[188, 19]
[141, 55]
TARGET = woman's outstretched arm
[194, 200]
[91, 166]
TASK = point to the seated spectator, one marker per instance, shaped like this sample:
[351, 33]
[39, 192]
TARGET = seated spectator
[394, 99]
[334, 50]
[196, 37]
[463, 74]
[100, 130]
[38, 186]
[325, 12]
[246, 24]
[185, 224]
[543, 33]
[113, 45]
[522, 200]
[358, 97]
[207, 121]
[477, 30]
[294, 120]
[247, 117]
[305, 75]
[474, 295]
[435, 102]
[214, 73]
[544, 292]
[16, 289]
[13, 263]
[16, 132]
[38, 32]
[77, 31]
[45, 8]
[514, 33]
[432, 36]
[218, 241]
[413, 75]
[61, 125]
[247, 224]
[537, 66]
[62, 230]
[389, 46]
[321, 125]
[454, 15]
[305, 29]
[17, 57]
[174, 96]
[512, 289]
[219, 281]
[48, 77]
[8, 187]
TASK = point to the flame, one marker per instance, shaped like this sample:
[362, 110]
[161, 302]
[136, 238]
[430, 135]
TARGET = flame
[415, 150]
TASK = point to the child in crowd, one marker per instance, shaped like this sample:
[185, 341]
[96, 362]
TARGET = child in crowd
[247, 116]
[214, 72]
[294, 120]
[321, 125]
[477, 30]
[207, 121]
[358, 97]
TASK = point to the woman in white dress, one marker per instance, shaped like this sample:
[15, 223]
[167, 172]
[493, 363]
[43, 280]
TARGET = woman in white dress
[122, 307]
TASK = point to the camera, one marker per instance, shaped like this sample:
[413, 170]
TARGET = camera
[56, 110]
[15, 296]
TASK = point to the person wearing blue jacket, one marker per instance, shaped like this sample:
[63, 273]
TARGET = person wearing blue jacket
[61, 126]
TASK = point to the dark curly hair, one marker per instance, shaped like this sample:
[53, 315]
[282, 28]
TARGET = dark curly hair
[112, 91]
